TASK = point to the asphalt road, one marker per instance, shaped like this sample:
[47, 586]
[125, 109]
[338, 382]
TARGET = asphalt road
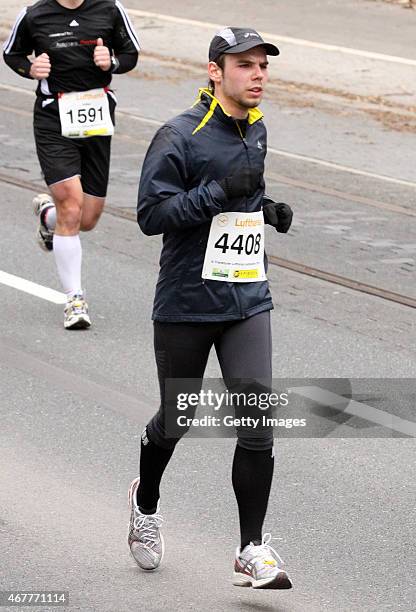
[361, 24]
[73, 404]
[72, 409]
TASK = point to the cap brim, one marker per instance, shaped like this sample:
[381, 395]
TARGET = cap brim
[250, 44]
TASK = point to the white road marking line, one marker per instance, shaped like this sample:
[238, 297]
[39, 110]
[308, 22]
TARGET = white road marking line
[350, 169]
[278, 38]
[25, 90]
[305, 158]
[373, 415]
[56, 297]
[155, 122]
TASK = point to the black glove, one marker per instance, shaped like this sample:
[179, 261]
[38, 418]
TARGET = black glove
[242, 183]
[279, 215]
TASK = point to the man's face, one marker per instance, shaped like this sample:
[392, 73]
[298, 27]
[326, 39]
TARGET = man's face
[244, 78]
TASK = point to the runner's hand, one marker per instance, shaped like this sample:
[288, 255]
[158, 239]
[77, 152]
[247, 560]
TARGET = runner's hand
[41, 67]
[242, 184]
[102, 57]
[279, 215]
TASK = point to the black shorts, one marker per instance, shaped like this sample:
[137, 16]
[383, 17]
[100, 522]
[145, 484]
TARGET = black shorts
[62, 158]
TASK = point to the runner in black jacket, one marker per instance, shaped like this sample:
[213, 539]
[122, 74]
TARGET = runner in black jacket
[202, 187]
[179, 195]
[78, 46]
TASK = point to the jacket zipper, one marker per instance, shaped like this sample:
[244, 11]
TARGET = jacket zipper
[248, 161]
[246, 148]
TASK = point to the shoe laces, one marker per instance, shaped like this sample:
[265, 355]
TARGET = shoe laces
[148, 525]
[76, 304]
[263, 550]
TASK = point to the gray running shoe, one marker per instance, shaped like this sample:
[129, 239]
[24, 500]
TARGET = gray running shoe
[258, 566]
[76, 313]
[44, 236]
[145, 540]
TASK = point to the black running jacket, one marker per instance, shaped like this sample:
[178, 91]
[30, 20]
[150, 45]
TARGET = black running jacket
[178, 196]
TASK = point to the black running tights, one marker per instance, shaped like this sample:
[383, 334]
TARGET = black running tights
[244, 350]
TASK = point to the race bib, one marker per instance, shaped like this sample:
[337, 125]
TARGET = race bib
[235, 248]
[85, 113]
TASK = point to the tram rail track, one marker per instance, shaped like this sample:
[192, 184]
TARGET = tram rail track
[279, 178]
[297, 267]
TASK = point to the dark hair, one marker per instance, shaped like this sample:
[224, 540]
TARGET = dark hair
[220, 61]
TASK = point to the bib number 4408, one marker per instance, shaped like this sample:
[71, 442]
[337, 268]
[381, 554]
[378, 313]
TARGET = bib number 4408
[249, 244]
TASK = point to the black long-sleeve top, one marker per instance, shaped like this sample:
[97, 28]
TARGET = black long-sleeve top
[69, 37]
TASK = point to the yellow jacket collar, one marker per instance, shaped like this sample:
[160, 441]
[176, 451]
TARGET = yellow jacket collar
[254, 114]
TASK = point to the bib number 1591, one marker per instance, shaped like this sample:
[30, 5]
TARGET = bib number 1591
[83, 115]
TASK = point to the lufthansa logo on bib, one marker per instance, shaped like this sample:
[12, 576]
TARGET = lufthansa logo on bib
[222, 220]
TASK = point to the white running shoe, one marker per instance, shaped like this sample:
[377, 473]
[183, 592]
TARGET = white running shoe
[145, 540]
[258, 566]
[44, 236]
[76, 313]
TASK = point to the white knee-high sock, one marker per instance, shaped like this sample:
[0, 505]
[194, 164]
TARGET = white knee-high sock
[68, 257]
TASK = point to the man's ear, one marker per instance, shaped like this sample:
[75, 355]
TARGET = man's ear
[214, 72]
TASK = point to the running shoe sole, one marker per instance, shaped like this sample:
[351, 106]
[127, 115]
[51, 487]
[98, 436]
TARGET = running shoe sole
[45, 238]
[46, 244]
[281, 581]
[81, 321]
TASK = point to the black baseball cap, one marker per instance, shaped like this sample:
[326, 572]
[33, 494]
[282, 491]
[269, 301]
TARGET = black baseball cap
[236, 40]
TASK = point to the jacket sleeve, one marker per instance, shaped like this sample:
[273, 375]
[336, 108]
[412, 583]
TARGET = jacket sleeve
[165, 203]
[125, 42]
[18, 46]
[267, 200]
